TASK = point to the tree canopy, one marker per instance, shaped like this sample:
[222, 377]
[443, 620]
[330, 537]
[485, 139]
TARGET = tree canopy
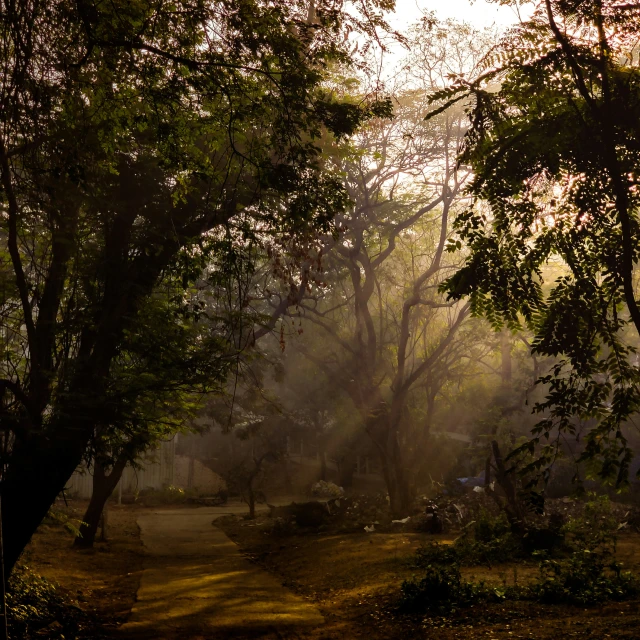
[552, 234]
[137, 139]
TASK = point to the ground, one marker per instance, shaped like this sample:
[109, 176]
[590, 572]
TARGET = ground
[103, 580]
[352, 578]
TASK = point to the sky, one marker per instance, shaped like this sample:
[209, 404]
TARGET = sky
[478, 12]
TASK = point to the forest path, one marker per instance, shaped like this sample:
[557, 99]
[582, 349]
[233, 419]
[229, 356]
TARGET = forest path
[196, 585]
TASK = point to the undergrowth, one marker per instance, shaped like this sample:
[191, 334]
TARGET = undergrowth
[37, 609]
[582, 572]
[485, 541]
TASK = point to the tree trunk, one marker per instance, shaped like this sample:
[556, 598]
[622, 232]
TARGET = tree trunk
[38, 472]
[4, 634]
[252, 503]
[398, 485]
[505, 479]
[383, 430]
[323, 465]
[505, 356]
[346, 469]
[103, 486]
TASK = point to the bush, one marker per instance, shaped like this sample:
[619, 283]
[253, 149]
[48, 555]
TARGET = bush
[440, 590]
[323, 489]
[167, 495]
[588, 576]
[59, 517]
[584, 579]
[596, 529]
[488, 528]
[486, 540]
[35, 607]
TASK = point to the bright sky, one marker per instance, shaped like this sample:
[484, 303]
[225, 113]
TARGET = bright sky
[477, 12]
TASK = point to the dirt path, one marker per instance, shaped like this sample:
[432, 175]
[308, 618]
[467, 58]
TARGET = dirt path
[197, 585]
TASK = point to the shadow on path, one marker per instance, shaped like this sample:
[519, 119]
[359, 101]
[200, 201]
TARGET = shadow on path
[197, 585]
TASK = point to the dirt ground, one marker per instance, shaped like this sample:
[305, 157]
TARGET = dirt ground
[354, 579]
[103, 580]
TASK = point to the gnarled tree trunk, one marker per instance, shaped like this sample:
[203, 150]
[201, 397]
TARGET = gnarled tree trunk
[103, 486]
[38, 473]
[383, 430]
[506, 480]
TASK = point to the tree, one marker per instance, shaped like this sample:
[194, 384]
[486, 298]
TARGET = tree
[387, 328]
[136, 137]
[179, 352]
[552, 237]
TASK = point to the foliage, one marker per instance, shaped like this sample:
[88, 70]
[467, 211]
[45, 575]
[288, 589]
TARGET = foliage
[71, 525]
[591, 574]
[584, 579]
[34, 603]
[586, 573]
[388, 336]
[145, 145]
[440, 590]
[587, 578]
[167, 495]
[282, 527]
[552, 236]
[596, 528]
[324, 489]
[486, 540]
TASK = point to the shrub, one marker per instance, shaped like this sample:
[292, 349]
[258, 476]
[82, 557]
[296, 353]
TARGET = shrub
[595, 529]
[488, 528]
[35, 607]
[487, 540]
[588, 576]
[281, 527]
[584, 579]
[166, 495]
[59, 517]
[440, 590]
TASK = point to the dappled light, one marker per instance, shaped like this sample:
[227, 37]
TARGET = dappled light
[319, 319]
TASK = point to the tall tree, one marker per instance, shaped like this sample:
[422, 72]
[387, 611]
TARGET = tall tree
[553, 235]
[387, 327]
[134, 134]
